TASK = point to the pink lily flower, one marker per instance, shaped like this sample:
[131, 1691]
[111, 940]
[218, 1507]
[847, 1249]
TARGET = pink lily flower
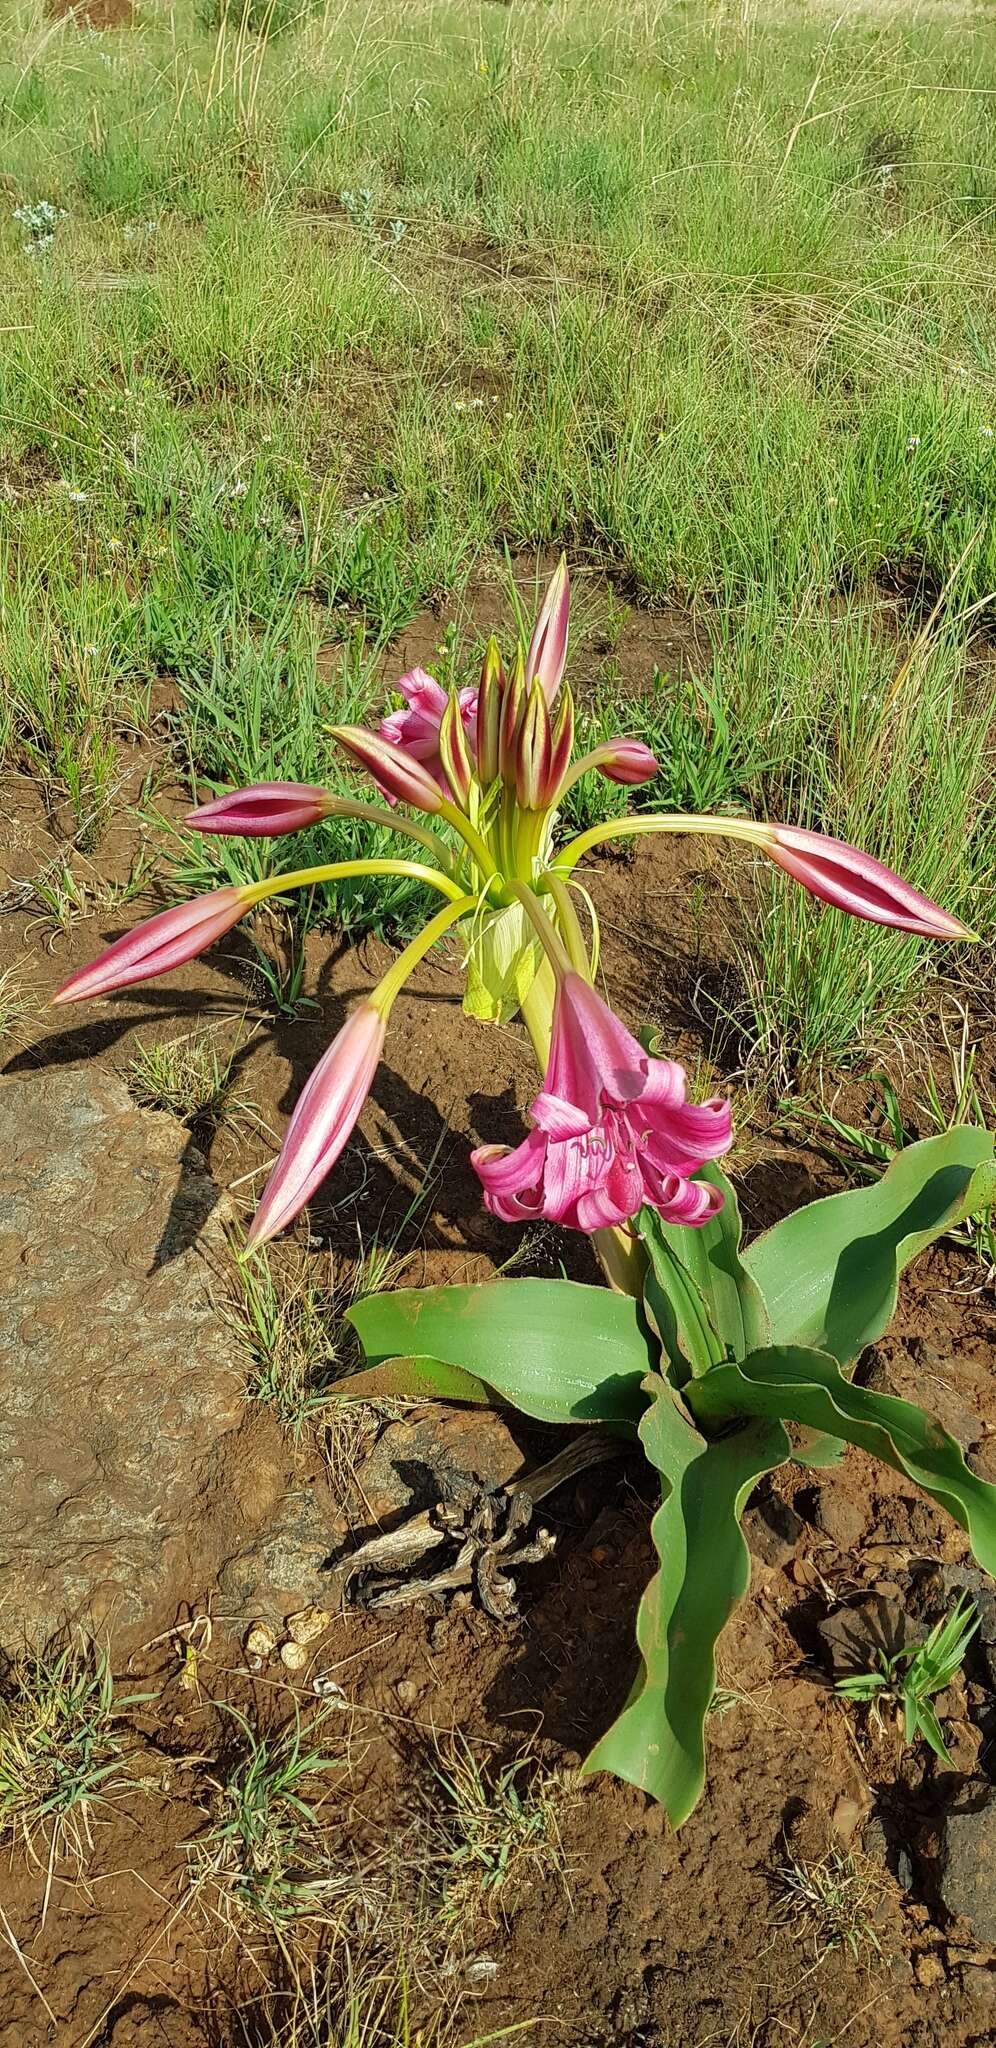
[416, 727]
[854, 881]
[264, 811]
[613, 1131]
[324, 1118]
[547, 656]
[162, 942]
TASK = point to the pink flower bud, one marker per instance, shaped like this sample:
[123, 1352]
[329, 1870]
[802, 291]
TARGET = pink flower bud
[547, 656]
[323, 1120]
[454, 751]
[396, 772]
[533, 752]
[855, 882]
[162, 942]
[624, 760]
[264, 811]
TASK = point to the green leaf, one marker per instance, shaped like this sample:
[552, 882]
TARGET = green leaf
[798, 1385]
[503, 958]
[710, 1257]
[557, 1350]
[658, 1740]
[413, 1379]
[829, 1273]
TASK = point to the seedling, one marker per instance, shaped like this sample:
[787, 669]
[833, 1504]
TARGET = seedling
[909, 1680]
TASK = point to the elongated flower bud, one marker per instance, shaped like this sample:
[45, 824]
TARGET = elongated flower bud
[397, 774]
[489, 703]
[547, 654]
[265, 810]
[854, 881]
[162, 942]
[323, 1120]
[622, 760]
[513, 711]
[533, 752]
[454, 751]
[561, 745]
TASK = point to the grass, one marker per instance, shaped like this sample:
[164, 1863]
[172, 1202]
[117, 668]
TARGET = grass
[263, 1854]
[61, 1752]
[336, 304]
[188, 1077]
[496, 1829]
[833, 1903]
[291, 1328]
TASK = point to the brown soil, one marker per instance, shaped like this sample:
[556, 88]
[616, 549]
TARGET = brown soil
[641, 1939]
[94, 13]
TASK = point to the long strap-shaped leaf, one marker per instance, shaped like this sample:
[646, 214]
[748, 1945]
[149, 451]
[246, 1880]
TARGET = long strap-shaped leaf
[558, 1350]
[798, 1385]
[658, 1741]
[829, 1272]
[690, 1268]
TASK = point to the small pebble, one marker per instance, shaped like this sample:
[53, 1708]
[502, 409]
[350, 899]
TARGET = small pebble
[307, 1625]
[326, 1688]
[261, 1641]
[293, 1655]
[407, 1692]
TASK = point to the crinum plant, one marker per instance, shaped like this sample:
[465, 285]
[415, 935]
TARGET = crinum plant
[707, 1353]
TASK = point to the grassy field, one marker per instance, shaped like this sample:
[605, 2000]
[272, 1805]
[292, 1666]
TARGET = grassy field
[320, 320]
[307, 317]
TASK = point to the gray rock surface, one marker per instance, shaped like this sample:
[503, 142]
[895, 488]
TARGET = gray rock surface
[968, 1862]
[119, 1383]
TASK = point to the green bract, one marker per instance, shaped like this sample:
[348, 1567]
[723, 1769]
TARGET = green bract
[724, 1350]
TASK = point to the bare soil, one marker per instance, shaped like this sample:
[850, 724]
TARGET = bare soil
[642, 1939]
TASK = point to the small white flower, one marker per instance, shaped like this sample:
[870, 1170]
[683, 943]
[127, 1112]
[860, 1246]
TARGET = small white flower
[239, 490]
[987, 432]
[914, 441]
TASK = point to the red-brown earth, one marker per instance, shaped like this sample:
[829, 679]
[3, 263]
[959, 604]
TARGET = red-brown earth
[640, 1938]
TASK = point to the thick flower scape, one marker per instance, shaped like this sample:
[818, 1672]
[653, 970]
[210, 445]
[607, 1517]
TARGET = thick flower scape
[612, 1129]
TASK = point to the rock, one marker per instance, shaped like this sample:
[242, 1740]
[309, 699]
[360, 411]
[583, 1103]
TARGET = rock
[413, 1463]
[772, 1529]
[851, 1637]
[964, 1746]
[294, 1656]
[283, 1560]
[843, 1520]
[121, 1384]
[967, 1863]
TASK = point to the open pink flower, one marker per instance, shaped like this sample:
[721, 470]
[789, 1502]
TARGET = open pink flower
[416, 727]
[613, 1131]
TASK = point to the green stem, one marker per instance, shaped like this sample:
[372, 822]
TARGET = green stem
[546, 931]
[378, 814]
[569, 924]
[471, 838]
[384, 994]
[678, 821]
[339, 870]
